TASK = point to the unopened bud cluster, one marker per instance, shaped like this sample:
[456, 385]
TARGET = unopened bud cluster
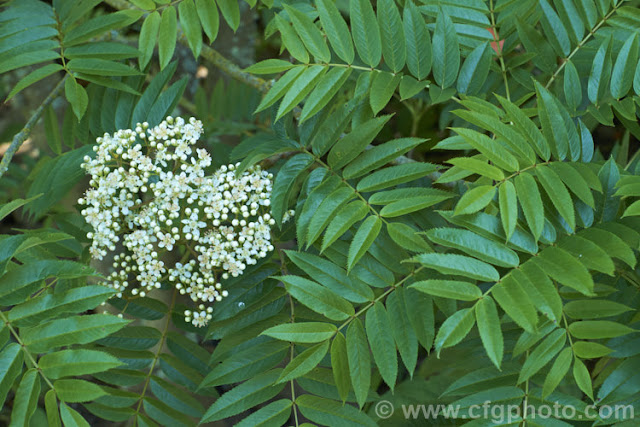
[151, 193]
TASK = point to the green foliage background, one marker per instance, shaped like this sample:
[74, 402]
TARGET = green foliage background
[465, 177]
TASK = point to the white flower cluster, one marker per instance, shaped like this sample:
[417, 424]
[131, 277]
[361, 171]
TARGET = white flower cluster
[151, 194]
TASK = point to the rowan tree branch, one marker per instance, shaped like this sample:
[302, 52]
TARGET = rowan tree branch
[22, 136]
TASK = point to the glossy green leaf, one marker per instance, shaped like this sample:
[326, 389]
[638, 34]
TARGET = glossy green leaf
[508, 208]
[362, 240]
[344, 219]
[513, 299]
[269, 66]
[553, 125]
[490, 330]
[411, 203]
[531, 203]
[281, 87]
[624, 67]
[148, 37]
[382, 89]
[68, 363]
[572, 86]
[475, 70]
[340, 365]
[454, 329]
[25, 279]
[453, 289]
[558, 193]
[526, 127]
[541, 290]
[402, 328]
[51, 406]
[71, 418]
[284, 182]
[11, 358]
[590, 350]
[26, 398]
[244, 396]
[50, 304]
[209, 18]
[446, 51]
[406, 236]
[418, 42]
[167, 36]
[336, 29]
[510, 138]
[410, 87]
[175, 397]
[291, 40]
[567, 270]
[329, 412]
[359, 360]
[383, 348]
[600, 72]
[497, 154]
[354, 143]
[300, 88]
[366, 33]
[587, 252]
[557, 372]
[27, 58]
[394, 175]
[394, 48]
[72, 330]
[77, 96]
[246, 362]
[133, 338]
[317, 297]
[230, 12]
[190, 23]
[326, 88]
[309, 34]
[542, 354]
[555, 29]
[332, 276]
[275, 413]
[304, 362]
[597, 329]
[308, 332]
[475, 199]
[594, 308]
[458, 265]
[582, 377]
[75, 390]
[379, 156]
[477, 166]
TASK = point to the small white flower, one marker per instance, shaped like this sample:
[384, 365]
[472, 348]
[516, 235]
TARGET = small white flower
[151, 191]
